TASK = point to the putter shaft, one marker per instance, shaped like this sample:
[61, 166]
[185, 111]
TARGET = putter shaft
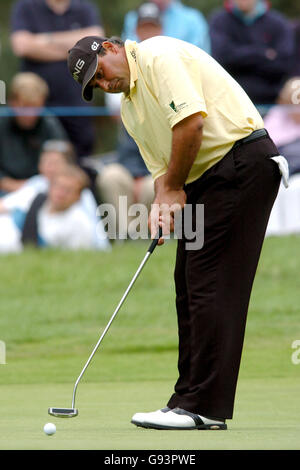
[71, 412]
[109, 324]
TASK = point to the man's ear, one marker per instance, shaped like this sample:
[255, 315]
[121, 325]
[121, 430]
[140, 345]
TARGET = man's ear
[109, 46]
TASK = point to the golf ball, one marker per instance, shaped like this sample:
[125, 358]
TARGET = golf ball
[49, 429]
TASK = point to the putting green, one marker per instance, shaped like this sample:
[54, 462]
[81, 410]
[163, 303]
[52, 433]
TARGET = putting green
[54, 305]
[264, 418]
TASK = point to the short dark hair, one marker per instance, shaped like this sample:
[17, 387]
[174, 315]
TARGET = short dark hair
[115, 40]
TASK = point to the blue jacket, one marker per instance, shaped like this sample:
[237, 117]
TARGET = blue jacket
[242, 45]
[178, 21]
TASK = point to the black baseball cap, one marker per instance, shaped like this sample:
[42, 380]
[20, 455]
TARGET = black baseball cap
[148, 13]
[83, 62]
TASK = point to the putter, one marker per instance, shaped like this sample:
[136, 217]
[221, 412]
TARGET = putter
[71, 412]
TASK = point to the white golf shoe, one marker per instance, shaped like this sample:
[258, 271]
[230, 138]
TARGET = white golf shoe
[139, 418]
[177, 419]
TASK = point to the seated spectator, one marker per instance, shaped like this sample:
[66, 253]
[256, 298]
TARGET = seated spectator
[22, 134]
[178, 21]
[129, 177]
[55, 219]
[56, 156]
[42, 33]
[283, 123]
[255, 44]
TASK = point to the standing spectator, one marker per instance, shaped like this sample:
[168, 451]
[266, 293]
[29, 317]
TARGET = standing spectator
[178, 21]
[42, 33]
[149, 21]
[22, 136]
[255, 44]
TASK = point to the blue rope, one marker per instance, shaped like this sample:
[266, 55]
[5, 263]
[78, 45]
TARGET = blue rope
[58, 111]
[78, 111]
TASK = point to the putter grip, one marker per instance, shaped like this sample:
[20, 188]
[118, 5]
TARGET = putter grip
[155, 240]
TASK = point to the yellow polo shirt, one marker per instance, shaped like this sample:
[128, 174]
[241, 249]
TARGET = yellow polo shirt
[171, 80]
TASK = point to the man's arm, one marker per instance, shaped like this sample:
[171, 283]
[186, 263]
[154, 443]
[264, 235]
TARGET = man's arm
[8, 184]
[186, 142]
[49, 47]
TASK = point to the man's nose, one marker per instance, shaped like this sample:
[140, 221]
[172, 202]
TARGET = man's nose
[103, 84]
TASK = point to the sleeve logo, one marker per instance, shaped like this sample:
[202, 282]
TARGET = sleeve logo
[175, 108]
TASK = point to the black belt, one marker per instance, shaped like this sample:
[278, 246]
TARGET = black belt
[255, 135]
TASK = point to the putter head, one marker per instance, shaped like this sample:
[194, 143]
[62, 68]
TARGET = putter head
[63, 412]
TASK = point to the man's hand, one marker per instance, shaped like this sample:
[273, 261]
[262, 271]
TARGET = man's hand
[164, 207]
[170, 196]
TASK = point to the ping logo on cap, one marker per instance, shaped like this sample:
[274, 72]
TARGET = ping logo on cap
[78, 67]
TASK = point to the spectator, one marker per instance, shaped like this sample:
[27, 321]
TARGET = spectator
[42, 33]
[149, 21]
[255, 44]
[53, 220]
[56, 156]
[129, 177]
[22, 135]
[283, 123]
[178, 21]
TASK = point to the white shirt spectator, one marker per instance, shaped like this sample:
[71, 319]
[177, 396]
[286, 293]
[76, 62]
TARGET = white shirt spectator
[71, 229]
[23, 197]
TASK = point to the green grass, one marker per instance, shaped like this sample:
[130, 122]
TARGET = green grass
[54, 306]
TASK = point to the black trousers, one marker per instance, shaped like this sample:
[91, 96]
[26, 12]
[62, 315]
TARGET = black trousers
[213, 284]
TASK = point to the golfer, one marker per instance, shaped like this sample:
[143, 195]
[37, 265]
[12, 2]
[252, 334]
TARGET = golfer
[204, 142]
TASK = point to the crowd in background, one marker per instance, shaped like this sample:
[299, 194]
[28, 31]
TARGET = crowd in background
[50, 180]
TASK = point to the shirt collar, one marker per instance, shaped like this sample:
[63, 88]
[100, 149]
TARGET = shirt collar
[131, 51]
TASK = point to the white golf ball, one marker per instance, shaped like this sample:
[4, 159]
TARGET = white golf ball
[49, 429]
